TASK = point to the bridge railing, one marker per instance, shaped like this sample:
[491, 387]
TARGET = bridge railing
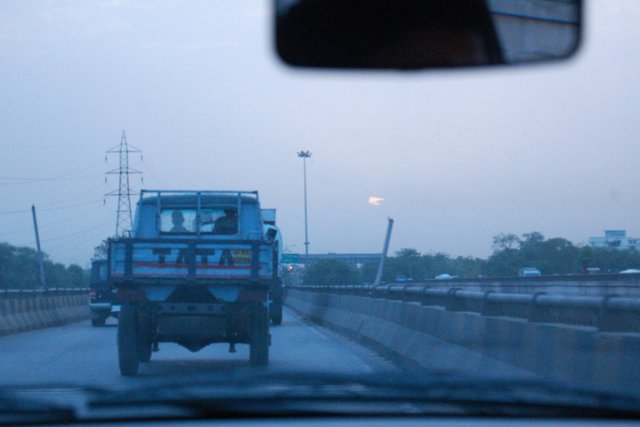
[607, 313]
[583, 278]
[576, 284]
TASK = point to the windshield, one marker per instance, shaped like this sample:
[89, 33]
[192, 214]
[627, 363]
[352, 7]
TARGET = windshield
[472, 232]
[212, 221]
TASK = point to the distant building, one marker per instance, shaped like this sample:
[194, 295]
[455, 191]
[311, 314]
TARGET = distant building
[615, 239]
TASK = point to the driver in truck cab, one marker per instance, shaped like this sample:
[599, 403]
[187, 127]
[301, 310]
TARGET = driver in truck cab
[226, 224]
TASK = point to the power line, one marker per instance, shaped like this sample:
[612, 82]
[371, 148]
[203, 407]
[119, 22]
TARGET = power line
[14, 212]
[76, 241]
[34, 181]
[54, 146]
[155, 179]
[74, 234]
[77, 205]
[49, 209]
[65, 237]
[49, 224]
[75, 196]
[69, 218]
[60, 177]
[56, 203]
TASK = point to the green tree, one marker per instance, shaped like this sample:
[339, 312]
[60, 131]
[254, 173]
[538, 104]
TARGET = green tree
[331, 272]
[531, 239]
[505, 262]
[609, 260]
[102, 250]
[554, 256]
[505, 241]
[77, 277]
[408, 263]
[19, 269]
[467, 266]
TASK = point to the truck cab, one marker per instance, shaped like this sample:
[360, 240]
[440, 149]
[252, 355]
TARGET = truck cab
[103, 302]
[276, 296]
[199, 268]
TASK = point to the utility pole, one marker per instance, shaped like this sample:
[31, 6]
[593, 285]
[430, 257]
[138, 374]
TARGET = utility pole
[304, 155]
[124, 218]
[385, 249]
[43, 283]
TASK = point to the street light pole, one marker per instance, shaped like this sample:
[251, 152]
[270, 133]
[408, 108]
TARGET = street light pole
[304, 155]
[43, 283]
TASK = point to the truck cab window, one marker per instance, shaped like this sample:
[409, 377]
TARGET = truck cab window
[222, 221]
[178, 221]
[227, 223]
[219, 221]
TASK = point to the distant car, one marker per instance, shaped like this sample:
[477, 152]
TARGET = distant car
[401, 278]
[529, 272]
[444, 276]
[630, 271]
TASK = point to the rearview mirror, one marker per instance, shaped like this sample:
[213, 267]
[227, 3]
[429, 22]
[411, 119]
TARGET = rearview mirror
[414, 34]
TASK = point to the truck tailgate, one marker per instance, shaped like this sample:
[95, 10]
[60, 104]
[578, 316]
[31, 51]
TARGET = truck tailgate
[225, 259]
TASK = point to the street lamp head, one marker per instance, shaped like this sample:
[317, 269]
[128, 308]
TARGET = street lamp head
[304, 154]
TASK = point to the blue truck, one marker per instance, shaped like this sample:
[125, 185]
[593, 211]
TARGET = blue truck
[200, 267]
[103, 301]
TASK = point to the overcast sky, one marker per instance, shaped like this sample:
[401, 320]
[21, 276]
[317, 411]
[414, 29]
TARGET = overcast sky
[457, 156]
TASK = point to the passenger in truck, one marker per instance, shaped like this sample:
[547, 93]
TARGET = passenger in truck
[178, 220]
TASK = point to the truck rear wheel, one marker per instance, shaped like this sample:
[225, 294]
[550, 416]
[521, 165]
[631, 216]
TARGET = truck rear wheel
[276, 317]
[276, 304]
[144, 350]
[259, 350]
[144, 336]
[128, 357]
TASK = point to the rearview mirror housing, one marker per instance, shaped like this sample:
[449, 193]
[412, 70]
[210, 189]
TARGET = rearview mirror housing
[418, 34]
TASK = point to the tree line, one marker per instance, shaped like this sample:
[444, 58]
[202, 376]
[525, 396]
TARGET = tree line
[19, 269]
[510, 253]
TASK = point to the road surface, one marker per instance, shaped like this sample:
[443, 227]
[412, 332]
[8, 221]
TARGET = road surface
[77, 354]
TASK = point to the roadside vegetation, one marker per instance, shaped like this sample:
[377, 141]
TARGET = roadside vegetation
[19, 270]
[554, 256]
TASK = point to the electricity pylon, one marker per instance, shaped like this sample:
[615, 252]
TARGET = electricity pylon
[124, 219]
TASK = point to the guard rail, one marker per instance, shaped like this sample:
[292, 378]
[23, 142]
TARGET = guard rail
[575, 284]
[608, 313]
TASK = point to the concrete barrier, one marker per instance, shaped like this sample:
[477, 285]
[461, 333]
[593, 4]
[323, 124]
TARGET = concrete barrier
[24, 314]
[626, 285]
[457, 341]
[629, 288]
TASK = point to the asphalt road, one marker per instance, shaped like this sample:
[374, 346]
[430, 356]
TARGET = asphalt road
[77, 354]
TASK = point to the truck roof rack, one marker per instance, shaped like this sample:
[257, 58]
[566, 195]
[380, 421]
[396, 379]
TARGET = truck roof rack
[204, 192]
[150, 194]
